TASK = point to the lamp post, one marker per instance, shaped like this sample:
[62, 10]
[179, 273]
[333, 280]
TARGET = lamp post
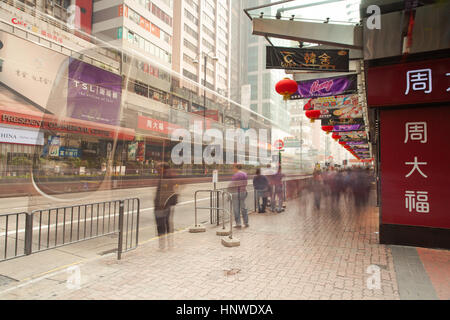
[205, 61]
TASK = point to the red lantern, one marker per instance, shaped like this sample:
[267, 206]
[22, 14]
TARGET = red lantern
[307, 106]
[327, 129]
[286, 88]
[342, 143]
[336, 136]
[312, 114]
[347, 147]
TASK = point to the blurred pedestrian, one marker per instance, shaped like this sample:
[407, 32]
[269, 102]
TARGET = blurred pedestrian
[166, 197]
[277, 198]
[238, 189]
[317, 184]
[261, 186]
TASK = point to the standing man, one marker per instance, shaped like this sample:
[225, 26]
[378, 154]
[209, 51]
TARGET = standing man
[238, 189]
[261, 186]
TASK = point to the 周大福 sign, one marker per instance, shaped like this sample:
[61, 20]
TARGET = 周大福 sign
[409, 83]
[306, 59]
[325, 87]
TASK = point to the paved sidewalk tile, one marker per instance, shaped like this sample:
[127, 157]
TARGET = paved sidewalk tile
[298, 254]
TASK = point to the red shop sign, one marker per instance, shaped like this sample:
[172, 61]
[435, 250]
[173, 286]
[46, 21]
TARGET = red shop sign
[414, 168]
[155, 125]
[409, 83]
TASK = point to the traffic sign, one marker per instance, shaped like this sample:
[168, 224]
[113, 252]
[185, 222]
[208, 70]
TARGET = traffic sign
[279, 144]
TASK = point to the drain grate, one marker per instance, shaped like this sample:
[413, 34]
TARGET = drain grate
[5, 280]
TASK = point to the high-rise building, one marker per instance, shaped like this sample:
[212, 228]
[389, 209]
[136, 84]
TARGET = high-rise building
[202, 29]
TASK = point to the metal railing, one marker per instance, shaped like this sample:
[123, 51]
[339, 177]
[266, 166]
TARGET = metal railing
[219, 193]
[46, 229]
[12, 238]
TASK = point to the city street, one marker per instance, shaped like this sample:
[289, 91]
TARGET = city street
[302, 253]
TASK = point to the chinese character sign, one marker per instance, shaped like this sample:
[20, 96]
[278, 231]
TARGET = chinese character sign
[409, 83]
[415, 166]
[307, 59]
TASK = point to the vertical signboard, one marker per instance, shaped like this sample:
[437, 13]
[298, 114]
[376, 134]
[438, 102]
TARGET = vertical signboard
[414, 166]
[93, 93]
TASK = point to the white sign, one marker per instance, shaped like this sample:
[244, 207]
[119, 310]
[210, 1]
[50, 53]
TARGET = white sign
[19, 136]
[215, 176]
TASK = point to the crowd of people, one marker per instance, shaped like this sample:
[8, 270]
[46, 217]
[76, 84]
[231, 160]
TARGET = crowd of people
[334, 182]
[267, 186]
[331, 182]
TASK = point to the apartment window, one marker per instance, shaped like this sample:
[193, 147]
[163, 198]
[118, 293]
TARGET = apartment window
[189, 60]
[190, 31]
[208, 19]
[189, 75]
[209, 8]
[208, 32]
[161, 15]
[190, 46]
[210, 73]
[190, 17]
[208, 45]
[193, 4]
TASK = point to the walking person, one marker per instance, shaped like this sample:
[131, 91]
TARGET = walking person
[261, 186]
[166, 197]
[277, 181]
[238, 189]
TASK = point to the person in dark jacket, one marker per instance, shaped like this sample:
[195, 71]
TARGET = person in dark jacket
[261, 186]
[166, 197]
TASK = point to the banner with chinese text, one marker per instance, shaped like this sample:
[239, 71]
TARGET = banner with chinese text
[306, 59]
[414, 168]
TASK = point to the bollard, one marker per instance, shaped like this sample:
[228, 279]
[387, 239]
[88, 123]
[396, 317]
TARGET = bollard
[29, 234]
[230, 241]
[120, 244]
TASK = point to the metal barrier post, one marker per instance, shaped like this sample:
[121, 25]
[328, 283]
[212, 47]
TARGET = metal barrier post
[229, 241]
[197, 228]
[137, 220]
[120, 244]
[223, 232]
[29, 234]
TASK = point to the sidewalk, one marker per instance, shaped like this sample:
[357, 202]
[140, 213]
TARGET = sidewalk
[298, 254]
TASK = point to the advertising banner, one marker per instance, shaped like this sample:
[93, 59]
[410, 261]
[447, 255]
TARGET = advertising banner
[348, 127]
[325, 87]
[93, 93]
[140, 154]
[132, 149]
[350, 112]
[332, 102]
[306, 59]
[28, 68]
[20, 136]
[347, 121]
